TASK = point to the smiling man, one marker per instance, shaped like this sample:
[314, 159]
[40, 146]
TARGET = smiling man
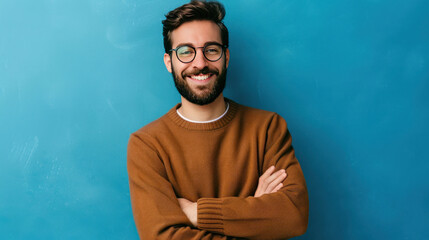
[211, 168]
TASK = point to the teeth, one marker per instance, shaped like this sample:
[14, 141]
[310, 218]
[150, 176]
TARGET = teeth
[200, 77]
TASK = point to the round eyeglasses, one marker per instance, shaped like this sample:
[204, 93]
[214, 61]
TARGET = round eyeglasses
[212, 52]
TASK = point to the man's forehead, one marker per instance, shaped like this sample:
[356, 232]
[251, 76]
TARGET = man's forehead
[197, 32]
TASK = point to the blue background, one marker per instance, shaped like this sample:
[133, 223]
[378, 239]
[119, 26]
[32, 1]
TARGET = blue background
[350, 78]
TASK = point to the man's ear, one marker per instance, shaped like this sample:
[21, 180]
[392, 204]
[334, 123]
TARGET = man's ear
[167, 61]
[227, 57]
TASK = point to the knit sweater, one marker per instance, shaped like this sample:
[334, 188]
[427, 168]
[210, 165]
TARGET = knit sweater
[217, 165]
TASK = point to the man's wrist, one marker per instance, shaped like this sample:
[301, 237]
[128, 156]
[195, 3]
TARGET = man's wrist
[194, 215]
[190, 209]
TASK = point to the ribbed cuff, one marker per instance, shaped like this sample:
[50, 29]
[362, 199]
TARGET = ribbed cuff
[210, 215]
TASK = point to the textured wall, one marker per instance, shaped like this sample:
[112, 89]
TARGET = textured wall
[350, 78]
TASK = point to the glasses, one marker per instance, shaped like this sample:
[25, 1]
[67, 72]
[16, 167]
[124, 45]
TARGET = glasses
[212, 52]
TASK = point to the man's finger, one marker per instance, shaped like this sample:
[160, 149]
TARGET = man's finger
[269, 181]
[278, 187]
[267, 173]
[275, 175]
[276, 182]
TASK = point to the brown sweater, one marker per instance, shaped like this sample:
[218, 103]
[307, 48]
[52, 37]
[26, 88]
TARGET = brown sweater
[217, 164]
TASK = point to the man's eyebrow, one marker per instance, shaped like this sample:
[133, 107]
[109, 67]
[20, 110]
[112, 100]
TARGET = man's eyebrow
[185, 44]
[214, 42]
[192, 45]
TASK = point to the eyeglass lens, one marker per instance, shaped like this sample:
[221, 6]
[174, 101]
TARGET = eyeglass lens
[211, 52]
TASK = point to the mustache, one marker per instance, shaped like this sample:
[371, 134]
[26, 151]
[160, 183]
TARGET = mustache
[205, 70]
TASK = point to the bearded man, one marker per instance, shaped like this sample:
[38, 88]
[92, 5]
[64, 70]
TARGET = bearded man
[211, 168]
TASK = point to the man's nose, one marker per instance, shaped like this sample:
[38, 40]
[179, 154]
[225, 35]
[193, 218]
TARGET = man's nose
[200, 61]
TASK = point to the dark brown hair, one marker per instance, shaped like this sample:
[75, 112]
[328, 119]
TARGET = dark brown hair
[195, 10]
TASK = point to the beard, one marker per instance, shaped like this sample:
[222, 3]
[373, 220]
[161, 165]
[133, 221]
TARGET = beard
[208, 93]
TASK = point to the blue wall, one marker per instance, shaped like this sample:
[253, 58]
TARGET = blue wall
[350, 77]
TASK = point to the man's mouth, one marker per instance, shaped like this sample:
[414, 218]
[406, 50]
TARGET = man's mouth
[200, 77]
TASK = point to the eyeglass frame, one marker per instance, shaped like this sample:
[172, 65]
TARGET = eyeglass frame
[204, 48]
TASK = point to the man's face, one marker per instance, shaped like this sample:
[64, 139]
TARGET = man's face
[200, 81]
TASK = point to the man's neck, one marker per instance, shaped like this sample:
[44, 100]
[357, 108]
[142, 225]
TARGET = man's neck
[207, 112]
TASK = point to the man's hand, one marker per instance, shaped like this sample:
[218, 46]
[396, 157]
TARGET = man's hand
[190, 210]
[270, 182]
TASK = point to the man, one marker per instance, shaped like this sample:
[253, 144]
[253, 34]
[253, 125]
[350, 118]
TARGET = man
[211, 168]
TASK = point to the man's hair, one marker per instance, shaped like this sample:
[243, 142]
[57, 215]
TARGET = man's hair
[195, 10]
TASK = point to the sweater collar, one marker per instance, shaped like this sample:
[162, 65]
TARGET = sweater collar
[173, 116]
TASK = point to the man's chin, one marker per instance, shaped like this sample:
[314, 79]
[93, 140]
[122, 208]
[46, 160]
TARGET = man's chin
[200, 100]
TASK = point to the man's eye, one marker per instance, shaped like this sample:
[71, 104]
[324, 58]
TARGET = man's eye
[186, 51]
[212, 50]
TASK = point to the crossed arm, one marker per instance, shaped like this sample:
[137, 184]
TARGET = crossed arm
[278, 209]
[269, 182]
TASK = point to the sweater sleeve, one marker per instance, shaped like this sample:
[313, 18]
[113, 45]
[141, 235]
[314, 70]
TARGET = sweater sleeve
[156, 210]
[279, 215]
